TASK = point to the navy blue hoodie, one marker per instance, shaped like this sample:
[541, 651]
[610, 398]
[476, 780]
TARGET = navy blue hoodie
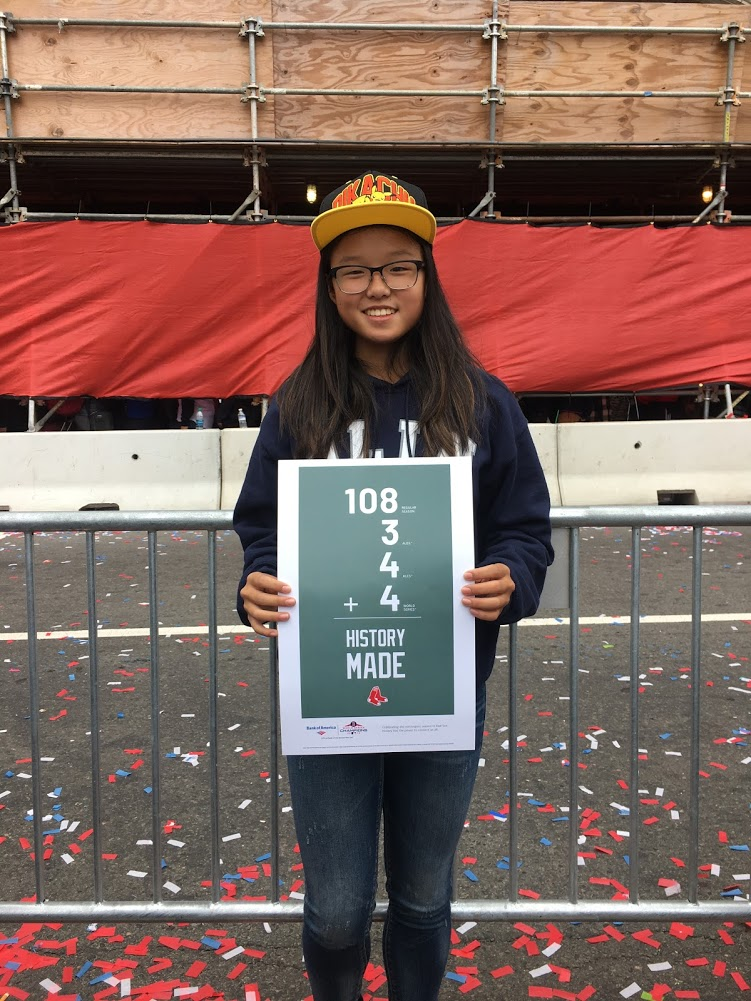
[511, 501]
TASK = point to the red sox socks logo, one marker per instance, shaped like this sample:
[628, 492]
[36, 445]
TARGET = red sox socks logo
[375, 698]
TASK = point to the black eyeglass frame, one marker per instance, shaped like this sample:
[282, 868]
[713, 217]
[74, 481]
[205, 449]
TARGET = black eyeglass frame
[332, 274]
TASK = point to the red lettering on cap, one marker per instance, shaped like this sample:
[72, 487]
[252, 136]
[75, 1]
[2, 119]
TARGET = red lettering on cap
[404, 196]
[345, 197]
[366, 185]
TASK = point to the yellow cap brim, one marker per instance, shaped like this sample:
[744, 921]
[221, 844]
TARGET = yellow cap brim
[327, 226]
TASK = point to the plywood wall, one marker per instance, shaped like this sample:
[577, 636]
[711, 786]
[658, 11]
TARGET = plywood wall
[385, 59]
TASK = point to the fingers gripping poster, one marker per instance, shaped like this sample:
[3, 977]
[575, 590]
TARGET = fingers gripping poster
[378, 653]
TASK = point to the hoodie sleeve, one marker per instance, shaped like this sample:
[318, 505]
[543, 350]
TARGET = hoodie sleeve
[255, 517]
[516, 513]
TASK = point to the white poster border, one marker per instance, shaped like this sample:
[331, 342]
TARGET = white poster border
[327, 734]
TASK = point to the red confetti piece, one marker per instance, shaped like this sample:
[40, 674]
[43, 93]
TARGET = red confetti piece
[740, 982]
[677, 930]
[502, 971]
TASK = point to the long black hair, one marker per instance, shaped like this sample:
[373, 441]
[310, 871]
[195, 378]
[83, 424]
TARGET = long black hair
[331, 389]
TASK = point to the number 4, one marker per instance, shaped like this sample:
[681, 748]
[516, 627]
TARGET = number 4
[392, 567]
[387, 598]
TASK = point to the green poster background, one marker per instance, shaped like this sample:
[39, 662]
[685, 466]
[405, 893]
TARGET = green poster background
[340, 555]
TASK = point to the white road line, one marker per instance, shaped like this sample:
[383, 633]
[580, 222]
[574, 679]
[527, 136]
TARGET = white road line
[167, 631]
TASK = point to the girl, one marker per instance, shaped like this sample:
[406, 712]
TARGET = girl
[388, 375]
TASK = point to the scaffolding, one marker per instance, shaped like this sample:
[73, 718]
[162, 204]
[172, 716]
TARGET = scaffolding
[492, 97]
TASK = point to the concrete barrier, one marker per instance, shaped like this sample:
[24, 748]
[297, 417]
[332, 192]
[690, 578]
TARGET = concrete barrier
[584, 464]
[708, 462]
[137, 470]
[545, 437]
[237, 444]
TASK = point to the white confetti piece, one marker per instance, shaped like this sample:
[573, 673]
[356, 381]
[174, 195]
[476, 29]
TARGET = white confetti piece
[296, 895]
[540, 971]
[552, 948]
[230, 837]
[145, 842]
[177, 844]
[463, 929]
[136, 873]
[267, 927]
[629, 991]
[245, 803]
[172, 887]
[233, 952]
[66, 858]
[659, 967]
[51, 986]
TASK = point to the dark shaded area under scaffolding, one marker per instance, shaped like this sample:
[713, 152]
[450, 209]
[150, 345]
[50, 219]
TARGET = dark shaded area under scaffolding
[191, 179]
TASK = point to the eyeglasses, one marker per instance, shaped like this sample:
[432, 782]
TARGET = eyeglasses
[353, 279]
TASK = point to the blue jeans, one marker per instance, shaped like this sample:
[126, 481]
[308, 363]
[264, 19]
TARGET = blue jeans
[338, 801]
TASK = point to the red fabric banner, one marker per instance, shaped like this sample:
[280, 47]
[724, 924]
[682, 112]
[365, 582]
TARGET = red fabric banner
[162, 310]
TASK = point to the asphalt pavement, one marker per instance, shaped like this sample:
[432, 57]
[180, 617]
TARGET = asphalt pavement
[498, 961]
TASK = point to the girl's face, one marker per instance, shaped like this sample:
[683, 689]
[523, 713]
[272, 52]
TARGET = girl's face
[378, 317]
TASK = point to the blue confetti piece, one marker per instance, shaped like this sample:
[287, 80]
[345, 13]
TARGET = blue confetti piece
[264, 858]
[460, 978]
[124, 774]
[536, 802]
[12, 966]
[147, 789]
[471, 876]
[627, 859]
[557, 820]
[121, 715]
[9, 775]
[546, 841]
[665, 736]
[738, 848]
[84, 969]
[101, 979]
[732, 893]
[212, 943]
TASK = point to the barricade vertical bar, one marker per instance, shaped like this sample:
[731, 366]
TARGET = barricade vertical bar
[274, 767]
[693, 844]
[213, 724]
[513, 730]
[96, 789]
[156, 754]
[633, 852]
[573, 751]
[34, 715]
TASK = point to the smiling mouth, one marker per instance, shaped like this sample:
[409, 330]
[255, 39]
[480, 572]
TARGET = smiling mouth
[379, 311]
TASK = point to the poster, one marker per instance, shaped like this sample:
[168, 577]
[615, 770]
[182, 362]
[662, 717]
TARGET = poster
[378, 653]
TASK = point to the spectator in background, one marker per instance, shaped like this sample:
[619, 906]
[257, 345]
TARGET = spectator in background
[227, 411]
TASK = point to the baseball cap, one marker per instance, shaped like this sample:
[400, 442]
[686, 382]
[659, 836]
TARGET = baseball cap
[373, 199]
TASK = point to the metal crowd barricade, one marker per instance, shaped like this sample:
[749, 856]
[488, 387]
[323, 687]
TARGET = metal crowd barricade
[512, 907]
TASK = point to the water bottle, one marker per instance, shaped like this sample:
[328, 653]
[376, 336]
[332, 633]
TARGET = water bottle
[199, 419]
[242, 421]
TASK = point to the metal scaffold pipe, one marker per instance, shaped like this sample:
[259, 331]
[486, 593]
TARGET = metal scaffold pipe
[6, 89]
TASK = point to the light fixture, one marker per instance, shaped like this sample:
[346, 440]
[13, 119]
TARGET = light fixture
[311, 194]
[707, 194]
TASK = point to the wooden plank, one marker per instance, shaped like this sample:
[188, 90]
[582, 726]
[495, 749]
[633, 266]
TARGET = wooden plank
[143, 57]
[136, 10]
[395, 119]
[553, 61]
[382, 60]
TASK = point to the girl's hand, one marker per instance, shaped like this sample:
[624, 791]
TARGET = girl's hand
[488, 591]
[262, 596]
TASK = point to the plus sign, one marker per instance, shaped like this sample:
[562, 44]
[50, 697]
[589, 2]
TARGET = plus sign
[350, 604]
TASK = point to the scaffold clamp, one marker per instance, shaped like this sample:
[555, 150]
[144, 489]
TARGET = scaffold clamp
[252, 26]
[733, 31]
[724, 94]
[252, 92]
[8, 197]
[495, 29]
[8, 88]
[6, 21]
[493, 95]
